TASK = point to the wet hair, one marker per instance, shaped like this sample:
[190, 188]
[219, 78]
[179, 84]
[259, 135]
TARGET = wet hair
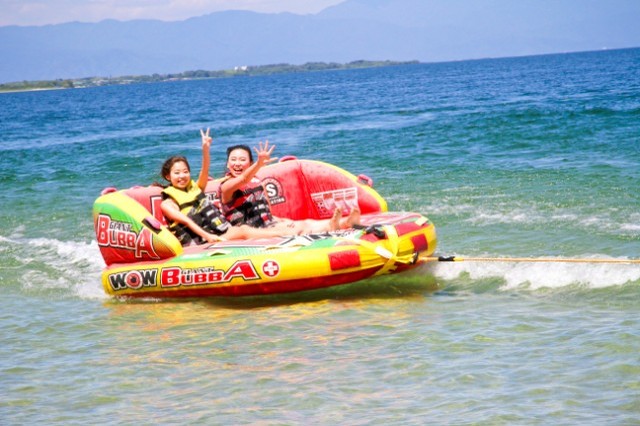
[243, 147]
[166, 167]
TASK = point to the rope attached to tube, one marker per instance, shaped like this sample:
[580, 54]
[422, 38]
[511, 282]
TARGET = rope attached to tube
[526, 259]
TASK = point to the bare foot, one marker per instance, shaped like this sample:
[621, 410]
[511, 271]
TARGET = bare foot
[334, 222]
[352, 219]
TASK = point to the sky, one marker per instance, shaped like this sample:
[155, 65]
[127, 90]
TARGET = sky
[43, 12]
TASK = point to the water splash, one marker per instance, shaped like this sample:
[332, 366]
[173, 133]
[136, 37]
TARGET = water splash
[50, 265]
[537, 276]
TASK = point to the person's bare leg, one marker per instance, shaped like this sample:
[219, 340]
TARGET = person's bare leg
[352, 219]
[313, 226]
[243, 232]
[334, 222]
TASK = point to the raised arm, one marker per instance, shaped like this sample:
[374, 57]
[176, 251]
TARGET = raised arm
[230, 185]
[206, 159]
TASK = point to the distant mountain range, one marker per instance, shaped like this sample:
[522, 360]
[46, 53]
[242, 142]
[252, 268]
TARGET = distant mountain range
[398, 30]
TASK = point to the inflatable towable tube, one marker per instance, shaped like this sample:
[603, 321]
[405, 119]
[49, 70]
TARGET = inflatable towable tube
[144, 259]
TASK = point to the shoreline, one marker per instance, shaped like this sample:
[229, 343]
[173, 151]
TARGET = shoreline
[35, 89]
[242, 71]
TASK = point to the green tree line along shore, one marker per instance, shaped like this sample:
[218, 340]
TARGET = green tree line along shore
[191, 75]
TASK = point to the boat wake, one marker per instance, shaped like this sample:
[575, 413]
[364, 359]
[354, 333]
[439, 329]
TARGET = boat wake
[45, 265]
[42, 265]
[539, 275]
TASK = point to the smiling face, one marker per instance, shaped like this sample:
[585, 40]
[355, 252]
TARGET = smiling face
[238, 161]
[179, 175]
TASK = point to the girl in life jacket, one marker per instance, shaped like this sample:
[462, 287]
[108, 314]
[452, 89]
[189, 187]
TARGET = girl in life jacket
[244, 200]
[193, 217]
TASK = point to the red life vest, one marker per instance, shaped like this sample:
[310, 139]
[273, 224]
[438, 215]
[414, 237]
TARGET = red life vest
[249, 205]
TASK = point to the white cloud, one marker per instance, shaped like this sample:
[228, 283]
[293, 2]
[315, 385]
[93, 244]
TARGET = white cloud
[42, 12]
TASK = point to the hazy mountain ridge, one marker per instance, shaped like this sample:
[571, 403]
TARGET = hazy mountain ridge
[426, 30]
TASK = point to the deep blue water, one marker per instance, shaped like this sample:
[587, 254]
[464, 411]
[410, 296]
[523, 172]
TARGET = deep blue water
[527, 157]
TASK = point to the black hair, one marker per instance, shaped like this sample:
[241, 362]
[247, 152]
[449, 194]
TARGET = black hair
[243, 147]
[166, 167]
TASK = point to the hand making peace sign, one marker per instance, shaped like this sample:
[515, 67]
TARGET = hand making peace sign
[206, 139]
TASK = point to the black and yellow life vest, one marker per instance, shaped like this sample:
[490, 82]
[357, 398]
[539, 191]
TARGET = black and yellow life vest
[249, 205]
[195, 204]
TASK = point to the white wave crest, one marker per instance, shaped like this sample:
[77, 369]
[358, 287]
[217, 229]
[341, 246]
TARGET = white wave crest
[45, 263]
[536, 275]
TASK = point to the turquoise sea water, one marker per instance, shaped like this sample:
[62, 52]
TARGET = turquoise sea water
[526, 157]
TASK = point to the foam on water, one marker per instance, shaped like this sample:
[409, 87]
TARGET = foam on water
[538, 275]
[48, 264]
